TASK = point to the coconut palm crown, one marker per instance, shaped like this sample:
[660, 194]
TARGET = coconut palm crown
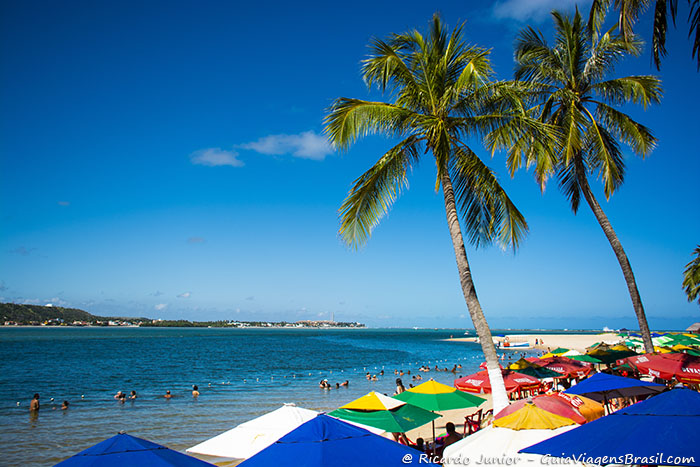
[691, 277]
[578, 97]
[441, 98]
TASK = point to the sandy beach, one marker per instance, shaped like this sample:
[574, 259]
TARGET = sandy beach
[552, 341]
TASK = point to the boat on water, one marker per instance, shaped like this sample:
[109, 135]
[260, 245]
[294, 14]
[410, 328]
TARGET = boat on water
[513, 345]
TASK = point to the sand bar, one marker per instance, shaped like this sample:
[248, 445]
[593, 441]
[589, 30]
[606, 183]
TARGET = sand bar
[552, 341]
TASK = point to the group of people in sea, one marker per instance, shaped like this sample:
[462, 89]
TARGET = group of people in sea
[35, 405]
[122, 397]
[324, 384]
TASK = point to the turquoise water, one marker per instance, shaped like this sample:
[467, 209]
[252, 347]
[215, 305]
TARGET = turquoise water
[240, 373]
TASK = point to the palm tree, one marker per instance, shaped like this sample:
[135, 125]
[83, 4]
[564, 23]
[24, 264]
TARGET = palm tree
[691, 277]
[630, 11]
[579, 98]
[442, 96]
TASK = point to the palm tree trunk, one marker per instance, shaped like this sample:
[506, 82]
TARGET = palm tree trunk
[498, 387]
[619, 252]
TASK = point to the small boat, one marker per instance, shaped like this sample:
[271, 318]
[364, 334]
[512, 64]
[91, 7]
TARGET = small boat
[514, 345]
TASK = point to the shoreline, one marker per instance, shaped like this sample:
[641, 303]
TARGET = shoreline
[571, 341]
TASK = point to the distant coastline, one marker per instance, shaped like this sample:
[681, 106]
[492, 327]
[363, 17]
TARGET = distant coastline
[16, 315]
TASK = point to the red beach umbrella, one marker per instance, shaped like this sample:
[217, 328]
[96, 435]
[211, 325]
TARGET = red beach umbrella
[479, 382]
[565, 366]
[683, 367]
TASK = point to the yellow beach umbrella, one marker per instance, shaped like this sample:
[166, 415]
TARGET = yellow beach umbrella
[373, 401]
[520, 364]
[531, 417]
[548, 355]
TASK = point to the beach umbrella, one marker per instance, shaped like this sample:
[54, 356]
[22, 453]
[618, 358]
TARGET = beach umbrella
[570, 353]
[660, 430]
[683, 367]
[585, 358]
[548, 411]
[565, 366]
[325, 441]
[559, 351]
[124, 449]
[379, 411]
[602, 387]
[254, 435]
[524, 367]
[493, 444]
[437, 397]
[479, 382]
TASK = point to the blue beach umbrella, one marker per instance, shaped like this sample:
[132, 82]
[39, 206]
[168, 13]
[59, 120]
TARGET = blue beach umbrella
[126, 450]
[602, 386]
[326, 440]
[660, 430]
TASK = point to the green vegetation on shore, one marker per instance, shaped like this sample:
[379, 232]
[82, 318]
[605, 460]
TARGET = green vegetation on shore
[14, 314]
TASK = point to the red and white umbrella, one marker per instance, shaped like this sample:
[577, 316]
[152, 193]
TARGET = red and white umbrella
[479, 382]
[565, 366]
[683, 367]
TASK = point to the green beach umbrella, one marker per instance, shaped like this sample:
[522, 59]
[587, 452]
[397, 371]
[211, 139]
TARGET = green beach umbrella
[586, 358]
[437, 397]
[559, 350]
[379, 411]
[540, 372]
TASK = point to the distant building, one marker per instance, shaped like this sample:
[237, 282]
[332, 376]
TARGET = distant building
[694, 328]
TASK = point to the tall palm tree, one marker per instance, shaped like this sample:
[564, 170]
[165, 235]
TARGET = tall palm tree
[578, 97]
[691, 277]
[629, 11]
[441, 96]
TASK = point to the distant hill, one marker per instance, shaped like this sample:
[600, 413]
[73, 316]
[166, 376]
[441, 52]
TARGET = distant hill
[30, 314]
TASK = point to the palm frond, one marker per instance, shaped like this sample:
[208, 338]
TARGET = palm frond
[642, 90]
[604, 155]
[691, 277]
[569, 185]
[374, 192]
[349, 119]
[621, 125]
[488, 213]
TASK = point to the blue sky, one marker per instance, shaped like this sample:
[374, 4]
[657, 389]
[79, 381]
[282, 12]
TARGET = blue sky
[166, 159]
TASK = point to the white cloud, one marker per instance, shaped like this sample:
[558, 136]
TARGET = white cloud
[214, 157]
[537, 10]
[184, 295]
[64, 203]
[305, 145]
[161, 306]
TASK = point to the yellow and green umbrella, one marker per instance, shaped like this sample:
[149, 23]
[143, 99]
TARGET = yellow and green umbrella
[437, 397]
[379, 411]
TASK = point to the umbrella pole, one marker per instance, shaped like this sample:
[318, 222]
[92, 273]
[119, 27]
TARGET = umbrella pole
[605, 398]
[433, 422]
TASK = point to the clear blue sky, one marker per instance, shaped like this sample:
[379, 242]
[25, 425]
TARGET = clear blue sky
[165, 159]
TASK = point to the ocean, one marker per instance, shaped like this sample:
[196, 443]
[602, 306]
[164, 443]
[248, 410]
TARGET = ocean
[241, 374]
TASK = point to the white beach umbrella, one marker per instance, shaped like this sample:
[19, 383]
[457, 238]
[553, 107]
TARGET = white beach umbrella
[253, 436]
[571, 353]
[500, 446]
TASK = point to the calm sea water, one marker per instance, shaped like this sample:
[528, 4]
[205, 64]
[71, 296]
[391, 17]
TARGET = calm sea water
[240, 373]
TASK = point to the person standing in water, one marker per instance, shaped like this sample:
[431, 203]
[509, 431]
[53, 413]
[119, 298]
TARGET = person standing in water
[34, 404]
